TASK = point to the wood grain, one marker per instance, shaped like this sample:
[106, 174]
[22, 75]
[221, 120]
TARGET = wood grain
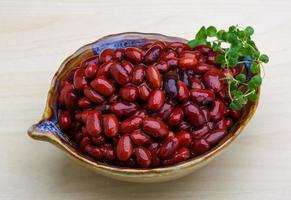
[35, 36]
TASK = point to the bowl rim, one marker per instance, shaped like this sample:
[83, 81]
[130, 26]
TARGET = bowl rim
[54, 139]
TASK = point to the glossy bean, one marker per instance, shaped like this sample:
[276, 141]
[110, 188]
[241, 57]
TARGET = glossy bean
[129, 93]
[153, 77]
[103, 86]
[130, 124]
[119, 74]
[124, 148]
[143, 157]
[155, 127]
[110, 125]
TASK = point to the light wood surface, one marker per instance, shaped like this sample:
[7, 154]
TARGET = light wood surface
[35, 36]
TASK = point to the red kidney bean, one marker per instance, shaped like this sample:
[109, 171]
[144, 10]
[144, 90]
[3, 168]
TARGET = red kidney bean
[194, 115]
[199, 147]
[215, 136]
[154, 150]
[202, 96]
[183, 92]
[138, 74]
[205, 50]
[70, 100]
[91, 71]
[93, 122]
[223, 93]
[104, 69]
[152, 55]
[229, 123]
[122, 109]
[107, 153]
[110, 125]
[141, 113]
[213, 79]
[184, 77]
[172, 63]
[185, 126]
[162, 66]
[139, 137]
[175, 45]
[211, 58]
[127, 66]
[170, 84]
[79, 79]
[124, 148]
[168, 148]
[187, 62]
[93, 96]
[98, 140]
[131, 124]
[202, 68]
[134, 55]
[180, 155]
[95, 152]
[221, 124]
[235, 114]
[143, 157]
[176, 117]
[206, 113]
[103, 86]
[171, 135]
[107, 55]
[119, 74]
[165, 110]
[84, 142]
[195, 83]
[156, 100]
[113, 98]
[168, 54]
[153, 77]
[94, 60]
[184, 138]
[84, 103]
[155, 127]
[217, 110]
[78, 116]
[129, 92]
[65, 120]
[199, 133]
[159, 43]
[119, 54]
[144, 92]
[65, 88]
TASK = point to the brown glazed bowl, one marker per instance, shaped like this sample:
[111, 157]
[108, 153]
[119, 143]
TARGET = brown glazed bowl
[47, 128]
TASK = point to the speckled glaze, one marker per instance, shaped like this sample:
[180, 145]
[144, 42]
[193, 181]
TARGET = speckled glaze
[47, 128]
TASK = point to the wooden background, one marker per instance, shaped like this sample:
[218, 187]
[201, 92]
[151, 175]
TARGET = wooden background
[35, 36]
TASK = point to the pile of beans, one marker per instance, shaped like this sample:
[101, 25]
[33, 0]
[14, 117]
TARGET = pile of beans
[147, 107]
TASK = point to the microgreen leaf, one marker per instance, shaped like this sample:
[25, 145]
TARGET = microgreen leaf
[211, 31]
[233, 46]
[264, 58]
[235, 105]
[202, 34]
[249, 30]
[241, 78]
[255, 68]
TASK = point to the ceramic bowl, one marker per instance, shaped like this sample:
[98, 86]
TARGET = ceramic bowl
[47, 128]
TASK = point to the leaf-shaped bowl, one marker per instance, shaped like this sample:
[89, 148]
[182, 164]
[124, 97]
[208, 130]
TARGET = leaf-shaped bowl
[47, 128]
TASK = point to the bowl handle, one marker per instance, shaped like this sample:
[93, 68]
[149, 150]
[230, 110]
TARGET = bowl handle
[47, 131]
